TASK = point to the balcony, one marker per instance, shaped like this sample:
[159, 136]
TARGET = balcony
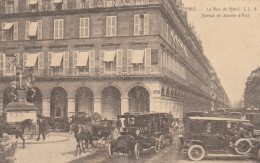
[79, 6]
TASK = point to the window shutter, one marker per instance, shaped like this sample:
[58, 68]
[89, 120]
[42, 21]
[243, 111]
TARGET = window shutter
[81, 28]
[146, 24]
[27, 27]
[66, 63]
[40, 5]
[64, 4]
[129, 61]
[87, 27]
[3, 32]
[136, 24]
[114, 25]
[25, 55]
[148, 61]
[102, 64]
[119, 62]
[15, 6]
[41, 61]
[74, 63]
[16, 31]
[39, 32]
[61, 29]
[92, 62]
[2, 64]
[50, 54]
[56, 30]
[108, 26]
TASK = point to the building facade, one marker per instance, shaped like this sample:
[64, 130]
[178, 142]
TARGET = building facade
[252, 90]
[105, 56]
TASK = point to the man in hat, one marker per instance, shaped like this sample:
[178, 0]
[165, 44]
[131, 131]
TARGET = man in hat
[41, 125]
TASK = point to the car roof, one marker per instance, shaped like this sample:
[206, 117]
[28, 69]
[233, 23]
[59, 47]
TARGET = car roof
[218, 119]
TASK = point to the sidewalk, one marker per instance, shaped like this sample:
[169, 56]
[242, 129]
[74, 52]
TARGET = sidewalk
[51, 150]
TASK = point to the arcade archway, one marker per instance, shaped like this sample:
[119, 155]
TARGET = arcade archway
[139, 100]
[84, 100]
[35, 96]
[111, 102]
[59, 107]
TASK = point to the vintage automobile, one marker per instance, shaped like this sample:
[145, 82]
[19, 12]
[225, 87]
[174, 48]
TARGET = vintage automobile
[138, 131]
[215, 136]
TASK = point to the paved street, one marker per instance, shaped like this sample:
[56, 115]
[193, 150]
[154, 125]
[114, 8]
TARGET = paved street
[59, 152]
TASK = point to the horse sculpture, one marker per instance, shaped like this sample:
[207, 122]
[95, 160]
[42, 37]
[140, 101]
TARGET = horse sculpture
[17, 129]
[81, 133]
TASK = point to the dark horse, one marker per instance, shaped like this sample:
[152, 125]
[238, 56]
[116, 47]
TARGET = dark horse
[81, 134]
[17, 129]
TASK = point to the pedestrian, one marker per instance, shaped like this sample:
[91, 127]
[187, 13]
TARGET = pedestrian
[41, 130]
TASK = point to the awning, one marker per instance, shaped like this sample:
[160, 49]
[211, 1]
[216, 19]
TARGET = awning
[109, 56]
[8, 26]
[56, 59]
[82, 59]
[31, 60]
[138, 56]
[57, 1]
[33, 2]
[33, 29]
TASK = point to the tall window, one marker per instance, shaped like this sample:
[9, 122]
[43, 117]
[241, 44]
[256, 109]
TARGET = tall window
[34, 5]
[9, 31]
[11, 6]
[7, 64]
[84, 28]
[33, 30]
[141, 24]
[111, 25]
[58, 28]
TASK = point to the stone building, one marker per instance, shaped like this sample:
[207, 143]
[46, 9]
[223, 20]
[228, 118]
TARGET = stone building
[105, 56]
[252, 90]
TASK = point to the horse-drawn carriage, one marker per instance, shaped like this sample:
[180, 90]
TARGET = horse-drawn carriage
[91, 129]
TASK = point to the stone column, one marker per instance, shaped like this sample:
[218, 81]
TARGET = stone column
[46, 107]
[155, 104]
[124, 105]
[97, 105]
[1, 106]
[71, 106]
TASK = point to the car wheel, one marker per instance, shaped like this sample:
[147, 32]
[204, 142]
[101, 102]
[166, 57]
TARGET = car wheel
[161, 141]
[136, 151]
[110, 150]
[102, 143]
[196, 152]
[157, 146]
[243, 146]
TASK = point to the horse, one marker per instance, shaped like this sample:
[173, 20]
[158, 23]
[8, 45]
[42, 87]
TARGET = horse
[81, 134]
[17, 129]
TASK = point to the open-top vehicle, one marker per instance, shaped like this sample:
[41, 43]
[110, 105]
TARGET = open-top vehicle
[215, 136]
[138, 131]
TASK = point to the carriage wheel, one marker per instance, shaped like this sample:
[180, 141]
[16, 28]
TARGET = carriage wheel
[110, 150]
[137, 151]
[157, 146]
